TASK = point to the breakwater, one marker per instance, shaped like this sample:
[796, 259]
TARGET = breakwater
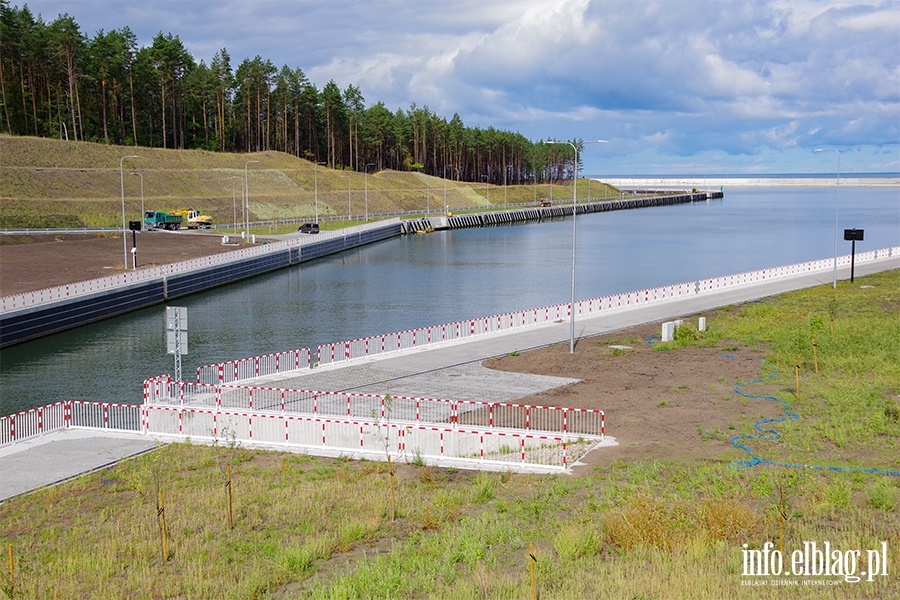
[548, 212]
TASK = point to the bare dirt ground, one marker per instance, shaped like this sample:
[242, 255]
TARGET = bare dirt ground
[34, 262]
[666, 405]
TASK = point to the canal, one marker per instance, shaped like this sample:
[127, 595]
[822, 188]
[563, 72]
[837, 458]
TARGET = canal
[419, 280]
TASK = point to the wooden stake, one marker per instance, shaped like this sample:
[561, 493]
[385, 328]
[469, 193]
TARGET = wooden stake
[12, 573]
[783, 519]
[161, 511]
[797, 375]
[230, 513]
[391, 476]
[531, 564]
[815, 354]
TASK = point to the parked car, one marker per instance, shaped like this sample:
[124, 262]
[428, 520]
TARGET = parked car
[309, 228]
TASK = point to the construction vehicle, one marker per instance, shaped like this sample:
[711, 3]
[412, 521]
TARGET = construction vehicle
[193, 219]
[155, 219]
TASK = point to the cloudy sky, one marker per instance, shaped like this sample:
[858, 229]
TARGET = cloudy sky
[675, 86]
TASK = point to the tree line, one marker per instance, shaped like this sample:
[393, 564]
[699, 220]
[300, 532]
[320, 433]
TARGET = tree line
[57, 82]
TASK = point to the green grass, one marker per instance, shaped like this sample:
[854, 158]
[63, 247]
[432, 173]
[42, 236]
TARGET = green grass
[310, 527]
[54, 183]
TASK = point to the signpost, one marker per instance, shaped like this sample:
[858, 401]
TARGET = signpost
[853, 235]
[134, 226]
[176, 335]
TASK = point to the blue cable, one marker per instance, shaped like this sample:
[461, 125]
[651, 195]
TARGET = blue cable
[770, 435]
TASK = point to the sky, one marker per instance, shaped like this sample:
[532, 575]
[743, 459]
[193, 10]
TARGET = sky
[673, 86]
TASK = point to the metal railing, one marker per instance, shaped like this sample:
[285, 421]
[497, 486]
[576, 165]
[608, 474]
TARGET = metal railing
[36, 422]
[418, 410]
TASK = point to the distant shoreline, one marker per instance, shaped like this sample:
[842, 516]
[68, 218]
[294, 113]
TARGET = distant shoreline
[705, 183]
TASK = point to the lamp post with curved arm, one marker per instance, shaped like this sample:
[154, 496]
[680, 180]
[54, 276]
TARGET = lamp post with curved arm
[445, 188]
[316, 185]
[124, 229]
[837, 195]
[574, 211]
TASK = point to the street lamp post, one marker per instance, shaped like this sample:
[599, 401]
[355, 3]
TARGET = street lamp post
[247, 198]
[837, 195]
[574, 211]
[141, 175]
[124, 229]
[445, 188]
[316, 185]
[234, 199]
[347, 177]
[367, 189]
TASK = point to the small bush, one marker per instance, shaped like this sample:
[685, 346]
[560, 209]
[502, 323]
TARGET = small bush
[577, 541]
[882, 496]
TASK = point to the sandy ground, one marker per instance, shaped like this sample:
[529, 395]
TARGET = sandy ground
[34, 262]
[659, 404]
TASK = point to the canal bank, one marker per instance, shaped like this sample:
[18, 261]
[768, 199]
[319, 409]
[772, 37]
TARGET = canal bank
[32, 315]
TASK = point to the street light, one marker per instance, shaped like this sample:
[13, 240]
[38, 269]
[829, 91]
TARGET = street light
[347, 177]
[141, 175]
[124, 230]
[836, 197]
[574, 205]
[247, 197]
[445, 188]
[316, 183]
[234, 199]
[367, 189]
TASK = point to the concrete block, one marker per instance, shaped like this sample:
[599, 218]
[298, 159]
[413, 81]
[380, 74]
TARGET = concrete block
[668, 331]
[701, 326]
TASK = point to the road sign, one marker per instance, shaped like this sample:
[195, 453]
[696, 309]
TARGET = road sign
[182, 342]
[174, 313]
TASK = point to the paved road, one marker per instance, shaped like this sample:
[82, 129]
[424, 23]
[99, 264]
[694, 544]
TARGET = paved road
[451, 370]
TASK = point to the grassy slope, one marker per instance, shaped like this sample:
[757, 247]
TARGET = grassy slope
[53, 183]
[317, 528]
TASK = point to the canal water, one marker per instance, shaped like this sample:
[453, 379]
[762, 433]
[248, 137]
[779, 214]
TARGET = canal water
[419, 280]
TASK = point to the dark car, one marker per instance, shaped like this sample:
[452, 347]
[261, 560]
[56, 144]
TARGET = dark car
[309, 228]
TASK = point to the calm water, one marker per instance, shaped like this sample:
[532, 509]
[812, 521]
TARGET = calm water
[414, 281]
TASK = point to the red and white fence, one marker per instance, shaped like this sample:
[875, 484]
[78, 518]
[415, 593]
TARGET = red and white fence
[69, 413]
[575, 422]
[368, 437]
[282, 362]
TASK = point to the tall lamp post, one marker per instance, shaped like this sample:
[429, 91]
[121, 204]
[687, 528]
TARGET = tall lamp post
[347, 177]
[316, 185]
[247, 198]
[141, 175]
[445, 188]
[234, 199]
[124, 229]
[837, 195]
[367, 189]
[574, 211]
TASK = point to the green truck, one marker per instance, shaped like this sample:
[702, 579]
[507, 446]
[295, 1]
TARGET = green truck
[154, 219]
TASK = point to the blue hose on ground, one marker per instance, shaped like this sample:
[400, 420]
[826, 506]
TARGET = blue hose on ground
[774, 434]
[771, 435]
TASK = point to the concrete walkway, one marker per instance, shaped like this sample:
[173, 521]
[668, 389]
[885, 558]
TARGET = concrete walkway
[450, 371]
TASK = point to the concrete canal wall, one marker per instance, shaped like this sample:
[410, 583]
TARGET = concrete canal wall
[28, 316]
[539, 214]
[32, 315]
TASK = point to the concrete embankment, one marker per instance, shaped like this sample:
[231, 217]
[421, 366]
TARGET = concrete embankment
[29, 316]
[549, 212]
[680, 183]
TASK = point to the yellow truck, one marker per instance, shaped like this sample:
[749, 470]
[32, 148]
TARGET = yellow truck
[193, 219]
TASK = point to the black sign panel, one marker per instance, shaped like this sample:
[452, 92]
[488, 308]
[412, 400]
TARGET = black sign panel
[134, 225]
[853, 235]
